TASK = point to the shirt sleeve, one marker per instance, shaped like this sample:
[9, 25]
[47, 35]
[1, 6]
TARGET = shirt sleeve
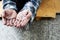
[32, 5]
[9, 4]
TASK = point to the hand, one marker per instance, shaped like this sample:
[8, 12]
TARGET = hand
[23, 18]
[9, 17]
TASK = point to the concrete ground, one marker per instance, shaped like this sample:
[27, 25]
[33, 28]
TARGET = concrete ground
[45, 29]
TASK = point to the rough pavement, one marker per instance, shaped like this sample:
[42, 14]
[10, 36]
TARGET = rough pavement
[45, 29]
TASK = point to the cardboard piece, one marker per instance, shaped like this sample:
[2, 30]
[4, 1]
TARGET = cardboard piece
[48, 8]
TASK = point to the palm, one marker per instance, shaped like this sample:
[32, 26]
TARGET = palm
[9, 16]
[22, 18]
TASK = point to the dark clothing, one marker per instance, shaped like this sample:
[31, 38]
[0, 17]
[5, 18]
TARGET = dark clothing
[18, 5]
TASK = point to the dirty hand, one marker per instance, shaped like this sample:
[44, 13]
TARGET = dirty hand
[9, 16]
[23, 18]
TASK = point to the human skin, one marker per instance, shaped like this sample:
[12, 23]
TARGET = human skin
[11, 18]
[22, 18]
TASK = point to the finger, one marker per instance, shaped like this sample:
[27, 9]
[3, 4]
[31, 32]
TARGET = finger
[14, 21]
[8, 22]
[11, 22]
[28, 15]
[18, 23]
[4, 21]
[24, 22]
[18, 26]
[18, 20]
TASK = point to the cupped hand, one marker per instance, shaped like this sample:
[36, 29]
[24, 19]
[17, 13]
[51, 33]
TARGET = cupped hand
[9, 17]
[23, 18]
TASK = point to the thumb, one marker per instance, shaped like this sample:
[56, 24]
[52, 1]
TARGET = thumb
[29, 14]
[3, 13]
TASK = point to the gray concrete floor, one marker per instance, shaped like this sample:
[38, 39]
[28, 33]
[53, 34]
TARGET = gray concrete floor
[45, 29]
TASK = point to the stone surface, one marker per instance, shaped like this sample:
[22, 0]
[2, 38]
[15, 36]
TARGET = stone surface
[45, 29]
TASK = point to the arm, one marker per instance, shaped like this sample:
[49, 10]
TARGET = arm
[9, 4]
[32, 5]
